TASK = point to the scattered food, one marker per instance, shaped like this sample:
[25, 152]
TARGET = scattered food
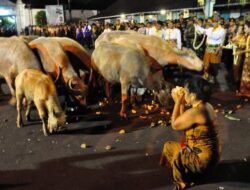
[146, 154]
[133, 111]
[84, 146]
[122, 131]
[98, 113]
[221, 187]
[117, 140]
[160, 122]
[143, 117]
[239, 106]
[152, 125]
[245, 159]
[108, 147]
[232, 118]
[245, 100]
[216, 110]
[150, 107]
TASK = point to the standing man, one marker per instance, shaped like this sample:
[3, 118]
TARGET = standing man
[215, 39]
[172, 35]
[118, 25]
[189, 33]
[87, 35]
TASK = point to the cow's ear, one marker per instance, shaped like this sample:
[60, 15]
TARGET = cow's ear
[75, 48]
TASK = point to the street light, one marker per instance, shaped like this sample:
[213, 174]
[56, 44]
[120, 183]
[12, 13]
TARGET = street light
[163, 12]
[122, 16]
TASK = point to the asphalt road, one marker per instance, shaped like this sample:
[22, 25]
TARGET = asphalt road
[29, 160]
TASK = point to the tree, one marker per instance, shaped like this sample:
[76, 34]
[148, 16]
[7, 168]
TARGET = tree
[41, 18]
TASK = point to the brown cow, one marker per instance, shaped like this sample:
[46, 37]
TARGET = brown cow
[155, 48]
[38, 87]
[15, 57]
[53, 53]
[130, 68]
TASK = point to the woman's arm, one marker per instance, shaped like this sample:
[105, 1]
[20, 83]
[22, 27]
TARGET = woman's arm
[187, 119]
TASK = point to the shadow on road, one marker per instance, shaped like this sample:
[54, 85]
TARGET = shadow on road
[232, 170]
[129, 169]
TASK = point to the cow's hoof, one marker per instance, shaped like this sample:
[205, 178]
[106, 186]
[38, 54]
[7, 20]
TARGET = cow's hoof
[45, 131]
[12, 101]
[123, 115]
[19, 125]
[28, 118]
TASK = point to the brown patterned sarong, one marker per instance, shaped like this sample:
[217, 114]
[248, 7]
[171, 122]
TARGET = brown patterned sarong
[212, 55]
[245, 79]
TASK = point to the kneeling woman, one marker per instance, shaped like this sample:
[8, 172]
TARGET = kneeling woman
[199, 151]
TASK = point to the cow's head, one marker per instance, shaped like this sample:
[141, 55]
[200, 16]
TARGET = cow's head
[55, 120]
[164, 94]
[189, 59]
[162, 89]
[78, 88]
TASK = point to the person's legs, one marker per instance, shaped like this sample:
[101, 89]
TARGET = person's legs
[206, 60]
[169, 151]
[213, 71]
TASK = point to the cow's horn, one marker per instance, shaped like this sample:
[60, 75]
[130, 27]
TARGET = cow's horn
[91, 76]
[70, 84]
[59, 74]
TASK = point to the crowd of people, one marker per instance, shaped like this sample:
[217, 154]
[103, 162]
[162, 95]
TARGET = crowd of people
[7, 31]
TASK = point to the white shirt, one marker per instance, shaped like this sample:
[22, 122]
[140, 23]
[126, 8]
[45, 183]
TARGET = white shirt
[147, 30]
[214, 36]
[173, 34]
[107, 30]
[142, 30]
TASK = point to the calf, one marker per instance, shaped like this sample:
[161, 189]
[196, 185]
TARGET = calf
[129, 67]
[38, 87]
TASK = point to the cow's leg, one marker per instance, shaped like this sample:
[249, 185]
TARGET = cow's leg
[19, 98]
[108, 89]
[27, 114]
[10, 83]
[42, 114]
[125, 98]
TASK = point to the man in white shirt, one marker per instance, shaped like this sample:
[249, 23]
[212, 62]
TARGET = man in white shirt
[215, 39]
[172, 35]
